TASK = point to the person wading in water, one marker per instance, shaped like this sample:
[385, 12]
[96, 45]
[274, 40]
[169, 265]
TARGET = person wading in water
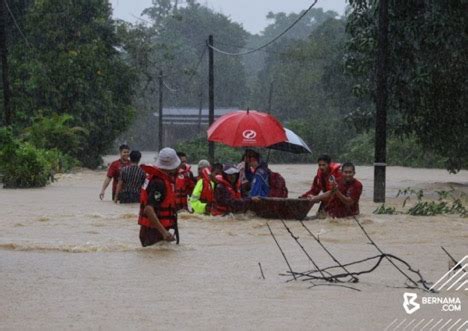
[158, 213]
[113, 172]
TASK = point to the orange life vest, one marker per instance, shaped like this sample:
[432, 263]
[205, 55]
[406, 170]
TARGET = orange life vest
[207, 194]
[183, 187]
[166, 212]
[219, 208]
[335, 170]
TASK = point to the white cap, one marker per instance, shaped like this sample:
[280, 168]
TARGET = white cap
[167, 159]
[203, 164]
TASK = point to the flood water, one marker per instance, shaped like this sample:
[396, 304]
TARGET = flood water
[71, 261]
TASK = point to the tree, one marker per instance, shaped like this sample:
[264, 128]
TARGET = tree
[255, 62]
[174, 40]
[427, 71]
[72, 65]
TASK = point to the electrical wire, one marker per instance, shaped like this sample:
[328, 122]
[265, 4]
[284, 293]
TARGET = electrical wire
[16, 24]
[271, 41]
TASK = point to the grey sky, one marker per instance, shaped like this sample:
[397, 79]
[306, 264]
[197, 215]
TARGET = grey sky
[250, 13]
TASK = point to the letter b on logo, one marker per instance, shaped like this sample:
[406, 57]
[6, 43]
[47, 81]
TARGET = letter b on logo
[409, 303]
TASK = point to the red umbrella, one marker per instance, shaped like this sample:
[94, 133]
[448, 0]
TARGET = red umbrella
[247, 129]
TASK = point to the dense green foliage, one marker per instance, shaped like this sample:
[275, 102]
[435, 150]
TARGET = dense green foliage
[54, 132]
[21, 164]
[426, 71]
[401, 151]
[71, 65]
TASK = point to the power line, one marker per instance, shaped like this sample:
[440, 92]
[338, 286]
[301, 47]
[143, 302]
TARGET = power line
[248, 48]
[282, 55]
[271, 41]
[169, 88]
[16, 23]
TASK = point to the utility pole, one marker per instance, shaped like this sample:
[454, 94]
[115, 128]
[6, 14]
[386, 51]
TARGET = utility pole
[200, 109]
[381, 105]
[4, 59]
[160, 130]
[211, 146]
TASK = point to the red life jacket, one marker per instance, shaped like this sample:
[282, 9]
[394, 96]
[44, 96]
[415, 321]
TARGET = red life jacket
[335, 170]
[166, 212]
[219, 208]
[183, 187]
[207, 194]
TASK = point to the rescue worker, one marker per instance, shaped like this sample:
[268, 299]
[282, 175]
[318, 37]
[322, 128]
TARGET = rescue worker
[227, 195]
[327, 172]
[158, 212]
[345, 194]
[185, 182]
[113, 172]
[202, 195]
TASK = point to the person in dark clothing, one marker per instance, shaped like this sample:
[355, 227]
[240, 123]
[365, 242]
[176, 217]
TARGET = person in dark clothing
[245, 172]
[260, 176]
[227, 196]
[131, 179]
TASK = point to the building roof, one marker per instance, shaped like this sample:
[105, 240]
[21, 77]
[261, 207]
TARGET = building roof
[190, 116]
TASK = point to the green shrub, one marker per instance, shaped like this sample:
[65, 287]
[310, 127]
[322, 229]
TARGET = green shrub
[400, 152]
[382, 210]
[60, 162]
[24, 165]
[27, 166]
[56, 132]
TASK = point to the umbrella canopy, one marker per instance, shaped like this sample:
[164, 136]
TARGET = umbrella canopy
[247, 129]
[293, 144]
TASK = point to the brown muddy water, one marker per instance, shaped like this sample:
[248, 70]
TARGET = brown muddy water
[71, 261]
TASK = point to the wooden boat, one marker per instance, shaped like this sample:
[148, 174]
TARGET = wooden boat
[282, 208]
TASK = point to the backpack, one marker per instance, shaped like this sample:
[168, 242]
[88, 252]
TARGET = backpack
[278, 187]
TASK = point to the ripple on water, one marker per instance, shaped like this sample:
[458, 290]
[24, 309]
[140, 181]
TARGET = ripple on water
[91, 248]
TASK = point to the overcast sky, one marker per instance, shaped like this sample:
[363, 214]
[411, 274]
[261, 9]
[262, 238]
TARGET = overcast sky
[250, 13]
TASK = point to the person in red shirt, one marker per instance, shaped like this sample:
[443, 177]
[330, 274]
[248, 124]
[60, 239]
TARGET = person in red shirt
[322, 183]
[113, 171]
[345, 194]
[185, 182]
